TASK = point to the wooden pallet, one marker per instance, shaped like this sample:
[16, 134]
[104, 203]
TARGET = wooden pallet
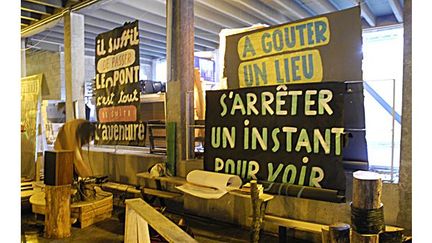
[87, 212]
[92, 212]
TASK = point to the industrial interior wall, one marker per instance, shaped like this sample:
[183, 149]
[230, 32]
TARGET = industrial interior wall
[121, 165]
[234, 209]
[48, 63]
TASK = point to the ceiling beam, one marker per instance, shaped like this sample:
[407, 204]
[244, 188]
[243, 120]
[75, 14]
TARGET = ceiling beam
[292, 9]
[59, 41]
[90, 43]
[49, 3]
[259, 9]
[101, 17]
[118, 11]
[155, 7]
[366, 13]
[93, 21]
[25, 21]
[226, 9]
[320, 6]
[36, 8]
[144, 43]
[215, 17]
[148, 38]
[326, 6]
[141, 13]
[397, 9]
[30, 16]
[159, 8]
[54, 19]
[109, 22]
[40, 45]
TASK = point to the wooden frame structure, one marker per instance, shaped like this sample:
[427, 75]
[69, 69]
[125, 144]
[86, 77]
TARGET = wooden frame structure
[140, 215]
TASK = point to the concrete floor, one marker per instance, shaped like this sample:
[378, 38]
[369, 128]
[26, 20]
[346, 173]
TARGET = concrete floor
[112, 230]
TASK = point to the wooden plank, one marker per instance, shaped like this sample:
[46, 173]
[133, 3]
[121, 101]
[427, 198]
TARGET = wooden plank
[166, 228]
[162, 194]
[120, 187]
[90, 205]
[97, 218]
[131, 234]
[97, 211]
[28, 188]
[169, 179]
[264, 197]
[159, 137]
[295, 224]
[25, 184]
[92, 212]
[143, 231]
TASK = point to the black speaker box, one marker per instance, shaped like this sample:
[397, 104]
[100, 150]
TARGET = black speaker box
[58, 167]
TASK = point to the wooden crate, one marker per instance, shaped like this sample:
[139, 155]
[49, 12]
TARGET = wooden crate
[92, 212]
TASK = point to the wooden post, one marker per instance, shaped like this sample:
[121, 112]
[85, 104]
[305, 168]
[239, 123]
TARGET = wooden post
[367, 190]
[257, 211]
[339, 233]
[57, 211]
[391, 235]
[364, 238]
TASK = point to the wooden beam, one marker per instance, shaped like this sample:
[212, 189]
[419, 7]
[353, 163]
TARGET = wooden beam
[295, 224]
[165, 227]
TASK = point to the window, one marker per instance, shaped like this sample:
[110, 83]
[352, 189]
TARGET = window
[382, 73]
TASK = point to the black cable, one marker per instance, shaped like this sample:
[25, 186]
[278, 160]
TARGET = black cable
[367, 221]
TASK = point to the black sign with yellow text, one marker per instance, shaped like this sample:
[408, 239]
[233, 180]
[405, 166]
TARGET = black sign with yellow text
[318, 49]
[287, 133]
[117, 87]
